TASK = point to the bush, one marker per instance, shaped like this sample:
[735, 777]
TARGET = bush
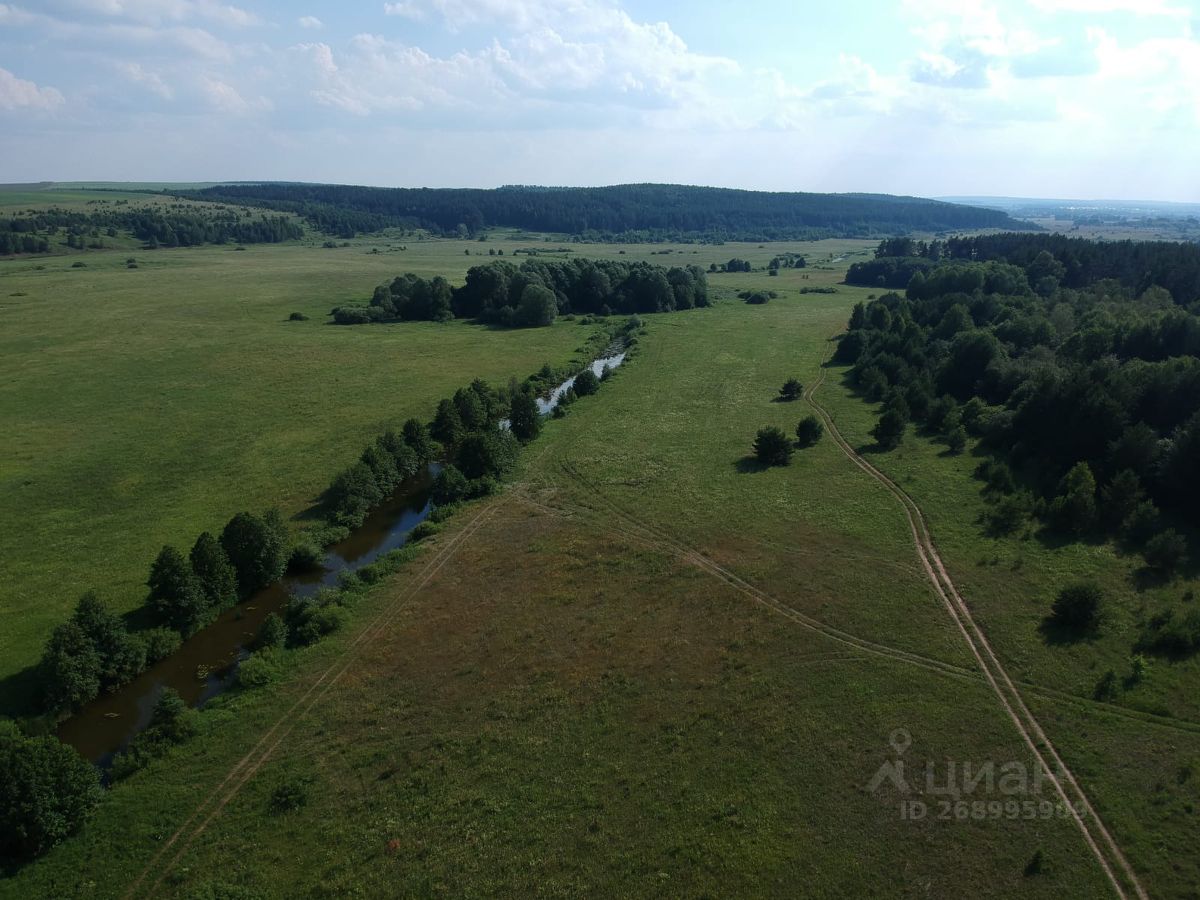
[258, 669]
[791, 390]
[297, 317]
[450, 486]
[271, 633]
[1077, 608]
[353, 494]
[1073, 511]
[1166, 552]
[306, 556]
[311, 618]
[1168, 635]
[47, 791]
[586, 383]
[159, 643]
[772, 447]
[809, 431]
[889, 430]
[289, 795]
[487, 453]
[1106, 687]
[956, 438]
[1009, 513]
[421, 531]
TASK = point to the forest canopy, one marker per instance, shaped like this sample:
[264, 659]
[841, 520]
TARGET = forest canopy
[1076, 362]
[535, 293]
[615, 213]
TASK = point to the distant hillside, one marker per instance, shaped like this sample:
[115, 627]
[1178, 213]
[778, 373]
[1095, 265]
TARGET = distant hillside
[619, 212]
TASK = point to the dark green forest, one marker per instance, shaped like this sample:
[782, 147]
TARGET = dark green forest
[1077, 363]
[636, 212]
[1137, 265]
[181, 226]
[534, 293]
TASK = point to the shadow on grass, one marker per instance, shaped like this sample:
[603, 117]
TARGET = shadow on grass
[749, 464]
[1057, 633]
[19, 692]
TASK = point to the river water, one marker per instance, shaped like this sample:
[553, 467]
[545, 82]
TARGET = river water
[206, 664]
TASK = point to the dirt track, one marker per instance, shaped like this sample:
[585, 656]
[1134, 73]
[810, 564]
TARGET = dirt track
[1109, 855]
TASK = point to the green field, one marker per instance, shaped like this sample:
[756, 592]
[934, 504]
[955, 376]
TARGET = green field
[145, 405]
[645, 668]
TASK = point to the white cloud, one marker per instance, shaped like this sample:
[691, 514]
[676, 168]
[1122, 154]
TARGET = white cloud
[151, 81]
[1105, 7]
[157, 12]
[583, 54]
[17, 93]
[310, 22]
[225, 98]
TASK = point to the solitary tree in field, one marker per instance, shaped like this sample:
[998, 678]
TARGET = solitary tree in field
[1077, 607]
[809, 431]
[791, 390]
[772, 446]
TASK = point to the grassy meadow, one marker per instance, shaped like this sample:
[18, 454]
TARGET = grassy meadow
[646, 668]
[145, 405]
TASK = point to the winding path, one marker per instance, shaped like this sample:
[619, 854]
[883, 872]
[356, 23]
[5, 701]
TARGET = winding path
[1097, 836]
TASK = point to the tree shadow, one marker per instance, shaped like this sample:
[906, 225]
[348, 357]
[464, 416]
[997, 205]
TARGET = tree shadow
[19, 692]
[1057, 633]
[748, 465]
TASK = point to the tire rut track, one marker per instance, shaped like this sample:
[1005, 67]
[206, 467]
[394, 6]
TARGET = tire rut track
[253, 760]
[997, 676]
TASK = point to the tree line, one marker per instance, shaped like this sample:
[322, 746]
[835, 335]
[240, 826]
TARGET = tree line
[535, 292]
[181, 226]
[1077, 263]
[1080, 375]
[635, 211]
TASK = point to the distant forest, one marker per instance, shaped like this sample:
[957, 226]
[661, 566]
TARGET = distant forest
[636, 212]
[1137, 265]
[183, 226]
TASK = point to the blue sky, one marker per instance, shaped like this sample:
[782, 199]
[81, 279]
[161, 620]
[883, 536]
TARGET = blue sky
[1057, 98]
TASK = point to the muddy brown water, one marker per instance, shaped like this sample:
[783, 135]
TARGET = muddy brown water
[206, 664]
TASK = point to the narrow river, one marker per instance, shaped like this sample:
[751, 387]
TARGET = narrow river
[206, 664]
